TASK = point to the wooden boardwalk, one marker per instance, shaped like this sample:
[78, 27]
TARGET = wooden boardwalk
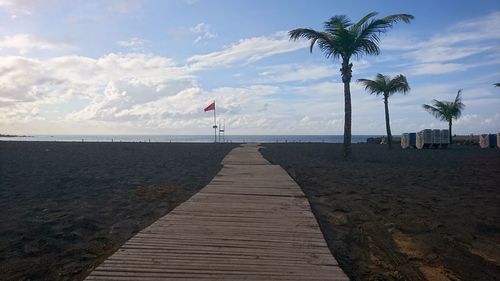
[252, 222]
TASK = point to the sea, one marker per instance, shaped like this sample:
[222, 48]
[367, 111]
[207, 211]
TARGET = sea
[192, 138]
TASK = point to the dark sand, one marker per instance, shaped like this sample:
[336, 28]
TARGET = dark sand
[403, 214]
[65, 207]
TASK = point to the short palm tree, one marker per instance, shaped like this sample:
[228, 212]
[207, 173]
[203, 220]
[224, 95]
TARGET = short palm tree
[386, 86]
[447, 110]
[342, 39]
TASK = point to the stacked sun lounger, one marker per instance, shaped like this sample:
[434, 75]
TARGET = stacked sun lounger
[426, 138]
[405, 140]
[488, 140]
[440, 138]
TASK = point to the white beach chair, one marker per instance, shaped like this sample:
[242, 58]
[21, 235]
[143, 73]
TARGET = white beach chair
[405, 140]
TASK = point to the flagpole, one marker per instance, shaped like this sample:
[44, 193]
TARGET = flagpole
[215, 124]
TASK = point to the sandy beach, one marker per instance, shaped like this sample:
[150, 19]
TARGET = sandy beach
[65, 207]
[386, 215]
[403, 214]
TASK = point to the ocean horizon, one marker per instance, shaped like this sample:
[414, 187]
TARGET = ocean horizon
[192, 138]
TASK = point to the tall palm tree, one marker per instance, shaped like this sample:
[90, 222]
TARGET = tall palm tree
[386, 86]
[342, 39]
[447, 110]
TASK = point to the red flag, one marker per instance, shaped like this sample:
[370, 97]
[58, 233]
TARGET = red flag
[210, 107]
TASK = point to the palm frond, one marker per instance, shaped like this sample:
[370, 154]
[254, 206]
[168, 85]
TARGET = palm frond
[367, 37]
[436, 112]
[336, 46]
[458, 98]
[306, 33]
[337, 23]
[457, 106]
[368, 33]
[385, 84]
[373, 28]
[447, 110]
[363, 46]
[372, 86]
[309, 34]
[381, 77]
[399, 17]
[343, 39]
[398, 84]
[362, 21]
[440, 104]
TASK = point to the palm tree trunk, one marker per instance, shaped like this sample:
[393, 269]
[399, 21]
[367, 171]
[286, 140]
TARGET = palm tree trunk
[346, 79]
[347, 117]
[449, 129]
[387, 124]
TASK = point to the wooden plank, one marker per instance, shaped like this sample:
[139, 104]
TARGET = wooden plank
[251, 222]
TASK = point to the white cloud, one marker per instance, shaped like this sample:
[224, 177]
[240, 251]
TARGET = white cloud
[23, 43]
[18, 7]
[125, 6]
[134, 44]
[294, 72]
[443, 52]
[134, 68]
[185, 102]
[284, 73]
[139, 91]
[203, 32]
[21, 114]
[436, 68]
[112, 83]
[26, 80]
[472, 31]
[117, 106]
[467, 118]
[433, 53]
[492, 120]
[247, 51]
[102, 107]
[257, 108]
[484, 28]
[182, 111]
[325, 90]
[477, 123]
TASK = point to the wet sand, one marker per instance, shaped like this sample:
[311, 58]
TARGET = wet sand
[65, 207]
[403, 214]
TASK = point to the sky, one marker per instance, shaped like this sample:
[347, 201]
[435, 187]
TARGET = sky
[150, 67]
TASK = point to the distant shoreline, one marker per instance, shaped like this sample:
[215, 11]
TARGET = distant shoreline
[14, 136]
[193, 138]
